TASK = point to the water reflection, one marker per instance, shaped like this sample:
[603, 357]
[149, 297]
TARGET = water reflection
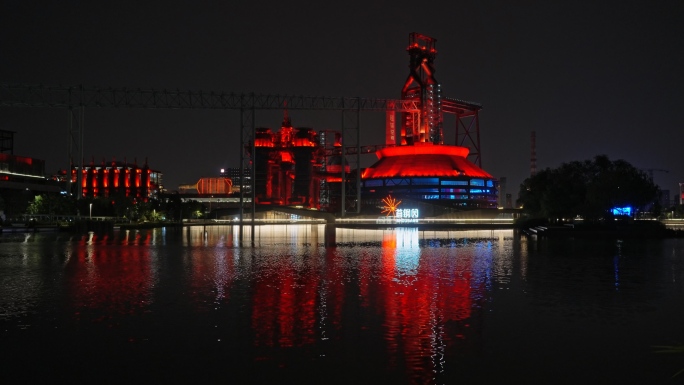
[285, 301]
[105, 281]
[423, 286]
[421, 306]
[426, 297]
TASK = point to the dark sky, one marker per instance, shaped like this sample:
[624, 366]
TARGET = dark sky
[589, 78]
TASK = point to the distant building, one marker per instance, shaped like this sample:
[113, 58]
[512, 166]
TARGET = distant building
[664, 198]
[502, 193]
[215, 193]
[21, 178]
[236, 175]
[509, 201]
[118, 179]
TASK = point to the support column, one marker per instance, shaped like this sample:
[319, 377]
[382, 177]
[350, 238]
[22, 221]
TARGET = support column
[351, 143]
[468, 135]
[247, 134]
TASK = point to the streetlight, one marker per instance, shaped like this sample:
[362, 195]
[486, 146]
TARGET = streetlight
[91, 211]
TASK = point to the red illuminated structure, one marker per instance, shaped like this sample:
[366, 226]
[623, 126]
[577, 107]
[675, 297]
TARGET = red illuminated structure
[291, 165]
[424, 125]
[303, 168]
[209, 186]
[434, 174]
[118, 179]
[417, 167]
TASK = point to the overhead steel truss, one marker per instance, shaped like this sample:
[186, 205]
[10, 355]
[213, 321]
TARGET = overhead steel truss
[80, 96]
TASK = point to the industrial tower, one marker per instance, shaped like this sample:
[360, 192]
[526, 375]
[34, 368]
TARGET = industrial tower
[424, 125]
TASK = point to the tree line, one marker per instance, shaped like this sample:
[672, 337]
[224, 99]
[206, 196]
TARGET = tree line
[160, 209]
[588, 189]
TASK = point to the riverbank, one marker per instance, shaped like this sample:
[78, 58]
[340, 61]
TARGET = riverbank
[631, 229]
[628, 229]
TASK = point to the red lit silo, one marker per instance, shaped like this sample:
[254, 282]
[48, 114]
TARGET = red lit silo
[219, 186]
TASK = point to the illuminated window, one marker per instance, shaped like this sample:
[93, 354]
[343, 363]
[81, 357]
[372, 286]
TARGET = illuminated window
[477, 182]
[454, 182]
[428, 181]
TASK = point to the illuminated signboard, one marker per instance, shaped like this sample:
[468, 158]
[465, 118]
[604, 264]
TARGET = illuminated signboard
[407, 214]
[622, 211]
[398, 215]
[401, 216]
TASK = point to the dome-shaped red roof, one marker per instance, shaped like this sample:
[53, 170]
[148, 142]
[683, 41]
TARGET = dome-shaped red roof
[424, 159]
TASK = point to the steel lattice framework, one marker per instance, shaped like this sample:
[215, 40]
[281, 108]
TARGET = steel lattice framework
[94, 97]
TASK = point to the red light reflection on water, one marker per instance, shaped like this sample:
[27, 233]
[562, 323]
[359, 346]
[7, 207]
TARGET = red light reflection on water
[285, 302]
[136, 238]
[425, 303]
[115, 280]
[424, 298]
[419, 301]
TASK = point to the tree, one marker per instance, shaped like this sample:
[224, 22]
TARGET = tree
[52, 204]
[589, 189]
[172, 206]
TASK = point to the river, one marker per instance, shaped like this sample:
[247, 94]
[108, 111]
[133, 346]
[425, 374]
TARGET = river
[315, 305]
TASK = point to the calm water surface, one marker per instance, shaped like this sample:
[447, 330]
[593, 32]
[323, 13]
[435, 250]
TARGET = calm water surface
[316, 305]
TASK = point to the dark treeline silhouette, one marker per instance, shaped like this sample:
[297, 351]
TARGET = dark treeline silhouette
[588, 189]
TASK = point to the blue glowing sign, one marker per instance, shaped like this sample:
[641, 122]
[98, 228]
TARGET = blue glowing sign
[623, 211]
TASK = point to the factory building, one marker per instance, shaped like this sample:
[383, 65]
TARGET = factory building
[434, 174]
[287, 166]
[111, 179]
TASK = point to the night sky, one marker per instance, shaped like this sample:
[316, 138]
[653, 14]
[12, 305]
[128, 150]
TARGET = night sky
[589, 78]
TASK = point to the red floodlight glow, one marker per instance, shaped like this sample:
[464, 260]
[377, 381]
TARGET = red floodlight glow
[424, 159]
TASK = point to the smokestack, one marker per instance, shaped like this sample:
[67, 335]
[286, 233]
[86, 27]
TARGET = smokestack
[533, 158]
